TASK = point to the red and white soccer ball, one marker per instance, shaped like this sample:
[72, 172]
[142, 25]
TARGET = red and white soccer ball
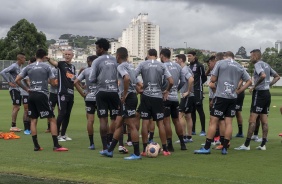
[152, 150]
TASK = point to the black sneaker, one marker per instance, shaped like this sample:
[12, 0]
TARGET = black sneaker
[183, 147]
[170, 148]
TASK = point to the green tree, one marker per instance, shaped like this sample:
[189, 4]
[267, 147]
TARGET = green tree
[273, 58]
[22, 37]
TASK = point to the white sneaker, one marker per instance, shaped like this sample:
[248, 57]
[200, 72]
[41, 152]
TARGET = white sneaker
[189, 140]
[243, 147]
[261, 148]
[61, 138]
[67, 137]
[129, 143]
[258, 140]
[177, 142]
[254, 137]
[215, 143]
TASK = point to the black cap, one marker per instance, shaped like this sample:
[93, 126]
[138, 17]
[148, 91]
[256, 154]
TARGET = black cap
[192, 53]
[255, 50]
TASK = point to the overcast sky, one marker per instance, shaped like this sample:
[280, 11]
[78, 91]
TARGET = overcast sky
[217, 25]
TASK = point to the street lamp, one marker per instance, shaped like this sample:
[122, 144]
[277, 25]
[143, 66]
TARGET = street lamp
[185, 47]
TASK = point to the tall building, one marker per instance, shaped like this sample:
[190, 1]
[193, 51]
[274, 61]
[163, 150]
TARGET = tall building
[140, 36]
[278, 45]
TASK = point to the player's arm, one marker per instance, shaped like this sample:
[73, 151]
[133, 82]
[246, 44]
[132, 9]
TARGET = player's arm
[276, 77]
[244, 87]
[126, 82]
[190, 86]
[7, 76]
[139, 87]
[52, 62]
[212, 86]
[169, 86]
[261, 78]
[203, 74]
[18, 81]
[78, 88]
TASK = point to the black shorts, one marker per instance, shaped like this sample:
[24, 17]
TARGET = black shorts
[223, 107]
[39, 106]
[107, 101]
[53, 99]
[260, 101]
[128, 109]
[198, 97]
[211, 99]
[151, 107]
[240, 101]
[171, 108]
[90, 107]
[187, 104]
[16, 97]
[25, 99]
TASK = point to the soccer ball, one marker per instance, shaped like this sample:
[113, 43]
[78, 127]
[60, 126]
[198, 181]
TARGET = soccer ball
[153, 150]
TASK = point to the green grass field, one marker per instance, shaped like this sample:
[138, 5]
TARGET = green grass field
[20, 164]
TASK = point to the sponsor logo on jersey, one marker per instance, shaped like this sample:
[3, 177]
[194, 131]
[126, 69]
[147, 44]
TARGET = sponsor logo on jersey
[160, 115]
[131, 112]
[44, 113]
[217, 112]
[144, 114]
[102, 112]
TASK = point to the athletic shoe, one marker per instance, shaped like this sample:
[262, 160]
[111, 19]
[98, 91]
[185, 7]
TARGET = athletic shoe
[189, 140]
[166, 153]
[47, 130]
[59, 149]
[215, 139]
[216, 143]
[122, 149]
[220, 147]
[27, 132]
[254, 137]
[106, 153]
[258, 140]
[194, 133]
[202, 151]
[202, 133]
[239, 135]
[170, 148]
[243, 147]
[129, 143]
[280, 134]
[261, 148]
[143, 154]
[183, 147]
[61, 138]
[177, 142]
[67, 137]
[92, 147]
[15, 129]
[224, 151]
[203, 144]
[133, 157]
[37, 149]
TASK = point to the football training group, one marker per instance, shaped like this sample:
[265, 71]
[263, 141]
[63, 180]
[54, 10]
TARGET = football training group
[168, 90]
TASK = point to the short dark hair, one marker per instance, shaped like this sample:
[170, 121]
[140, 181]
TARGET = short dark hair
[152, 52]
[210, 59]
[181, 56]
[40, 53]
[21, 53]
[229, 54]
[32, 59]
[91, 58]
[122, 52]
[219, 56]
[103, 43]
[192, 53]
[166, 53]
[256, 50]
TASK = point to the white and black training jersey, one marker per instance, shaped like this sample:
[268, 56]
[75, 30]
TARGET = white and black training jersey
[54, 89]
[23, 92]
[10, 74]
[186, 73]
[125, 68]
[91, 88]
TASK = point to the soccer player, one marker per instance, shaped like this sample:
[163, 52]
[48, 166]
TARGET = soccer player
[90, 99]
[261, 98]
[38, 104]
[128, 104]
[67, 75]
[227, 73]
[238, 108]
[9, 74]
[187, 98]
[152, 72]
[171, 105]
[104, 74]
[199, 79]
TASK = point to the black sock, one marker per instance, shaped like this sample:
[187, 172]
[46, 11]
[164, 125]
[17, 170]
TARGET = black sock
[144, 147]
[221, 140]
[240, 128]
[113, 145]
[109, 138]
[169, 141]
[225, 144]
[181, 139]
[91, 139]
[104, 142]
[129, 137]
[35, 142]
[164, 147]
[26, 125]
[48, 124]
[136, 148]
[217, 133]
[189, 137]
[121, 139]
[185, 137]
[256, 132]
[263, 142]
[151, 137]
[208, 143]
[247, 142]
[13, 124]
[55, 141]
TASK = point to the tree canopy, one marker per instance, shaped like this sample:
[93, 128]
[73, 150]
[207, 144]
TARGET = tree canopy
[22, 37]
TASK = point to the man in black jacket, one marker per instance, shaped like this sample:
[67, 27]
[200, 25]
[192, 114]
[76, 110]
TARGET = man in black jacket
[199, 79]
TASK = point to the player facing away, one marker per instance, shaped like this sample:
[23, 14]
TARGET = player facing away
[104, 74]
[38, 104]
[261, 98]
[90, 99]
[128, 104]
[227, 73]
[151, 105]
[9, 74]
